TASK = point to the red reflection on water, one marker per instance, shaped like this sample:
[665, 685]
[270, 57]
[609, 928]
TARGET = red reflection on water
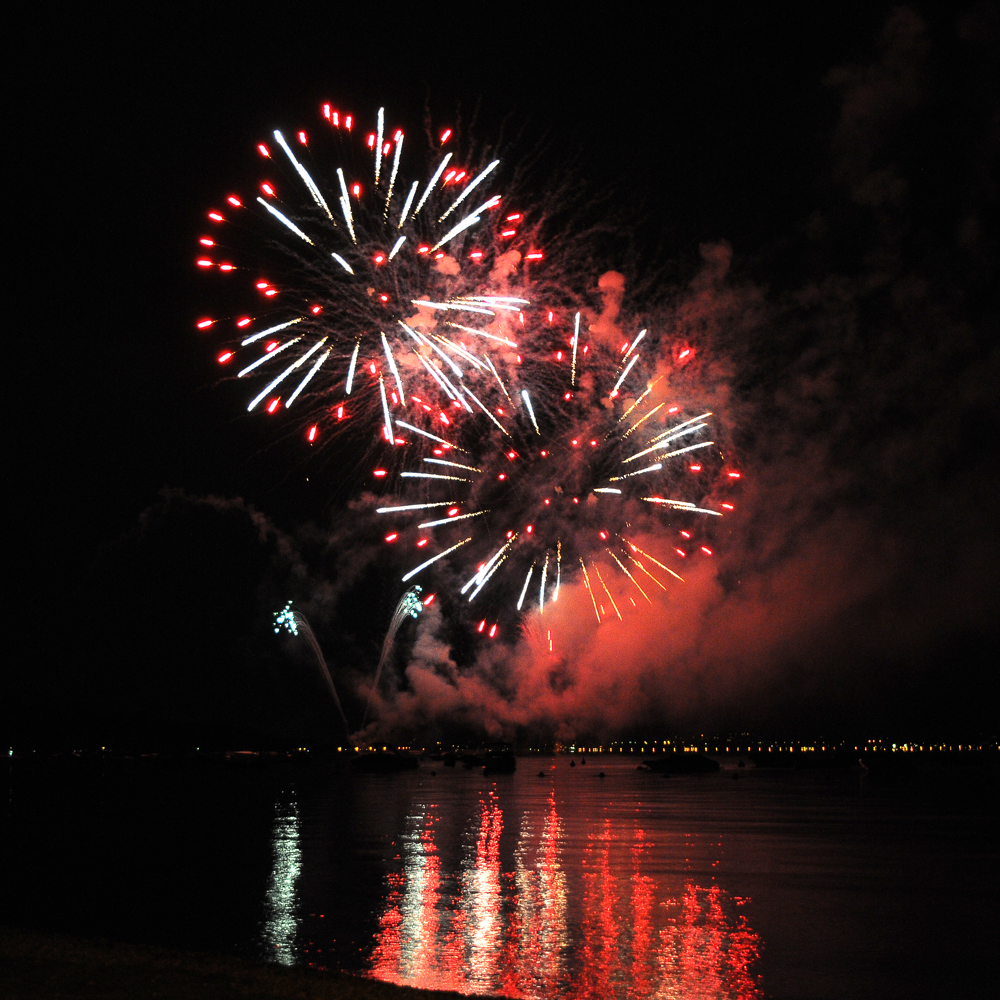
[602, 928]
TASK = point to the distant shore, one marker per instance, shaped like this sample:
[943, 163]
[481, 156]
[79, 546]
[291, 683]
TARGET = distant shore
[37, 965]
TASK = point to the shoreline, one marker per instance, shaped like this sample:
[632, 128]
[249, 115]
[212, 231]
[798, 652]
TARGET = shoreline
[39, 965]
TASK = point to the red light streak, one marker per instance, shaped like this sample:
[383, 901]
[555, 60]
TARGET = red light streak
[246, 321]
[448, 176]
[273, 405]
[206, 242]
[452, 511]
[530, 528]
[379, 473]
[428, 600]
[547, 501]
[316, 310]
[215, 217]
[439, 255]
[226, 267]
[379, 258]
[576, 499]
[326, 110]
[386, 148]
[459, 176]
[262, 284]
[340, 413]
[545, 454]
[392, 537]
[335, 118]
[513, 218]
[234, 201]
[423, 248]
[349, 122]
[204, 324]
[568, 396]
[476, 254]
[672, 409]
[534, 255]
[397, 135]
[445, 136]
[510, 534]
[444, 419]
[574, 443]
[267, 189]
[481, 625]
[695, 468]
[383, 297]
[734, 475]
[302, 138]
[270, 346]
[264, 151]
[681, 553]
[508, 233]
[593, 444]
[493, 632]
[684, 354]
[706, 550]
[728, 506]
[371, 140]
[313, 431]
[203, 262]
[371, 367]
[502, 475]
[271, 292]
[559, 355]
[224, 357]
[685, 534]
[603, 534]
[356, 190]
[422, 542]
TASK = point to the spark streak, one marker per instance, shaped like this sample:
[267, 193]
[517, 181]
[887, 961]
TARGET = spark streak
[597, 570]
[286, 221]
[524, 589]
[481, 333]
[345, 205]
[317, 195]
[454, 465]
[415, 506]
[378, 144]
[642, 419]
[682, 505]
[541, 591]
[396, 246]
[430, 184]
[628, 574]
[267, 357]
[308, 378]
[639, 472]
[531, 412]
[472, 185]
[385, 412]
[653, 559]
[288, 371]
[590, 590]
[427, 434]
[392, 177]
[433, 475]
[487, 412]
[406, 205]
[350, 370]
[555, 596]
[664, 444]
[393, 368]
[450, 520]
[621, 378]
[270, 329]
[434, 559]
[576, 342]
[343, 263]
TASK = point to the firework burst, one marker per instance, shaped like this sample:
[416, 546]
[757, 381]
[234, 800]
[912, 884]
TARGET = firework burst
[525, 444]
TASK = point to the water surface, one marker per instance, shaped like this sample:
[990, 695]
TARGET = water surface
[746, 883]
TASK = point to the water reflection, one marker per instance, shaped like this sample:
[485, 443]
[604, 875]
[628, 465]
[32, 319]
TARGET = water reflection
[608, 924]
[280, 925]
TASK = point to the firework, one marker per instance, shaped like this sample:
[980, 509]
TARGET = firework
[425, 324]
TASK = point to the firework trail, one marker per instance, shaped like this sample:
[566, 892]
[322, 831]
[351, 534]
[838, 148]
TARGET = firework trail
[295, 622]
[434, 323]
[410, 605]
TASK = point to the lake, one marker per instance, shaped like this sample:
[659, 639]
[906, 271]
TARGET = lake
[554, 881]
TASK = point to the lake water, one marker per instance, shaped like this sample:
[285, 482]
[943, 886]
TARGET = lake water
[745, 883]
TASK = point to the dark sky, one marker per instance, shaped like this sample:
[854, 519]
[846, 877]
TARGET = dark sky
[844, 155]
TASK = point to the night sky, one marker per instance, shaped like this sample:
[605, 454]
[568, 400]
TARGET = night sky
[816, 187]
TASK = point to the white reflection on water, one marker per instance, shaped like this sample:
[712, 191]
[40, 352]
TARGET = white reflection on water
[280, 923]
